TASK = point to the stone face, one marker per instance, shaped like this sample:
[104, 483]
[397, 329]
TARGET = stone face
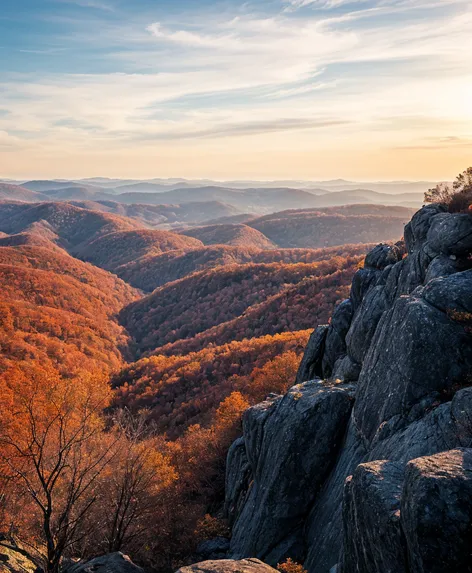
[238, 476]
[450, 234]
[313, 477]
[228, 566]
[373, 537]
[417, 351]
[291, 448]
[436, 511]
[113, 562]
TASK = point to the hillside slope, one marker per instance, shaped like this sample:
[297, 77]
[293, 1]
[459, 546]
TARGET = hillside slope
[10, 192]
[183, 390]
[315, 229]
[114, 249]
[60, 311]
[238, 235]
[71, 227]
[198, 302]
[295, 307]
[148, 273]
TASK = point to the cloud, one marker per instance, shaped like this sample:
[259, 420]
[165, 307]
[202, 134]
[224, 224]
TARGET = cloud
[283, 75]
[97, 5]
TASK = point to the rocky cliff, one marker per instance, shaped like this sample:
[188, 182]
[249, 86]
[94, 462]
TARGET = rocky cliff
[364, 465]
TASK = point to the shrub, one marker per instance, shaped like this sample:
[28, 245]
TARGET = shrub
[290, 566]
[209, 527]
[457, 197]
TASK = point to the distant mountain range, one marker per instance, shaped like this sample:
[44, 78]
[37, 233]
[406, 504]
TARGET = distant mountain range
[158, 185]
[173, 203]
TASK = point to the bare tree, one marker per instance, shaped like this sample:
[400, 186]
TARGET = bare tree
[53, 446]
[133, 482]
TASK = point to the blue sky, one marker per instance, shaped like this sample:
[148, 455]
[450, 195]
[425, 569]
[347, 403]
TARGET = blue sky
[283, 88]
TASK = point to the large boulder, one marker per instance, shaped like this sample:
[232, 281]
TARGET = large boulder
[111, 563]
[436, 512]
[228, 566]
[418, 353]
[291, 445]
[413, 518]
[373, 537]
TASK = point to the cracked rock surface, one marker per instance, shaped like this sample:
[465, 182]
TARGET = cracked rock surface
[341, 471]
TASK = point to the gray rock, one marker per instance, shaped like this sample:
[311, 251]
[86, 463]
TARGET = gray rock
[382, 256]
[228, 566]
[293, 449]
[238, 478]
[362, 282]
[365, 322]
[450, 234]
[346, 370]
[417, 229]
[111, 563]
[417, 350]
[335, 343]
[216, 548]
[402, 329]
[442, 266]
[373, 537]
[310, 366]
[436, 511]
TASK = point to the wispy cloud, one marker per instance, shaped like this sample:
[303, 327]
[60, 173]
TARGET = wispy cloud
[97, 5]
[339, 68]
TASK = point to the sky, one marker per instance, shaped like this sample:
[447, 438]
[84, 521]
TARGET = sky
[256, 89]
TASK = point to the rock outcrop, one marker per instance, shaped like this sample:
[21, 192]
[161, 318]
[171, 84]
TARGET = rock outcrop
[228, 566]
[111, 563]
[325, 474]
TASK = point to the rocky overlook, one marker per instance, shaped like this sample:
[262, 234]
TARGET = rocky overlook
[364, 464]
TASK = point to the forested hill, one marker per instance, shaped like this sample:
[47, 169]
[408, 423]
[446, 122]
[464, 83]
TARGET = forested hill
[184, 330]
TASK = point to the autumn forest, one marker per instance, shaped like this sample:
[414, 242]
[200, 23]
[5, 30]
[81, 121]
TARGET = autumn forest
[129, 352]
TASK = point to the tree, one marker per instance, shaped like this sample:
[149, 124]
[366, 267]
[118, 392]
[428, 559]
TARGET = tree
[53, 449]
[132, 484]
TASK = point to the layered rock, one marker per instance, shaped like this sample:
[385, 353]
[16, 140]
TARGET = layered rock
[402, 343]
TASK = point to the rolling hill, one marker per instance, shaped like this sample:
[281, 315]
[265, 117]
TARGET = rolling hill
[300, 306]
[237, 235]
[114, 249]
[312, 228]
[164, 216]
[198, 302]
[148, 273]
[69, 226]
[58, 311]
[10, 192]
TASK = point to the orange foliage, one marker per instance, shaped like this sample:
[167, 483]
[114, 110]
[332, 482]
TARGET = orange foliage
[184, 390]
